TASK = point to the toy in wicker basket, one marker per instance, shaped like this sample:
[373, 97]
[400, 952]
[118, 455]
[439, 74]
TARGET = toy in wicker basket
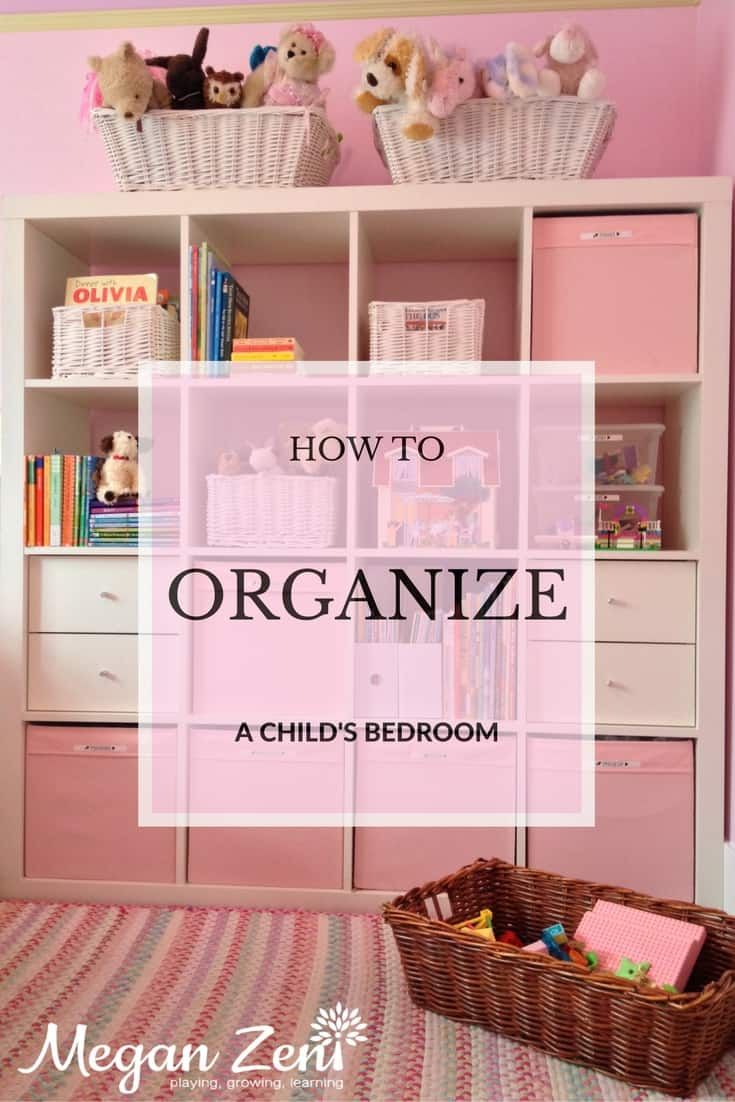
[176, 135]
[438, 118]
[266, 507]
[644, 991]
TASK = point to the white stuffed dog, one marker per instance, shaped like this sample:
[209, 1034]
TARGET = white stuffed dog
[118, 475]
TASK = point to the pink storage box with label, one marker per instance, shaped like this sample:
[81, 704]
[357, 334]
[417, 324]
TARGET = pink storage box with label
[643, 790]
[235, 778]
[391, 858]
[82, 807]
[619, 290]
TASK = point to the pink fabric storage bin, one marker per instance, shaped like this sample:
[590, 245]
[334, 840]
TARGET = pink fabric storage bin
[236, 779]
[619, 290]
[644, 811]
[266, 857]
[393, 858]
[81, 811]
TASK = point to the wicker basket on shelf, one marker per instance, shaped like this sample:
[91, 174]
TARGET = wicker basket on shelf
[263, 147]
[110, 341]
[271, 510]
[418, 333]
[650, 1038]
[532, 139]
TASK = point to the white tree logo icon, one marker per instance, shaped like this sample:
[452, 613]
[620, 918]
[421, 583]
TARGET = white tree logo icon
[336, 1025]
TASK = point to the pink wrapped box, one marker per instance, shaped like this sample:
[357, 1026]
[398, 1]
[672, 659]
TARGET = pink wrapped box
[614, 931]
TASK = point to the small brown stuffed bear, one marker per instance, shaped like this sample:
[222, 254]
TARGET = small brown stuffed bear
[118, 475]
[222, 89]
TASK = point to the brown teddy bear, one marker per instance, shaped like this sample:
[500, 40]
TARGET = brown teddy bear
[395, 69]
[289, 75]
[222, 89]
[185, 75]
[127, 84]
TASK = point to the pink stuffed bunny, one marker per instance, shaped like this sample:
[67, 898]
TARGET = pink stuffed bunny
[571, 64]
[454, 81]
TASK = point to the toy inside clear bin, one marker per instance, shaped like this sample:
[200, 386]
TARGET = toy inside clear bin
[614, 518]
[624, 455]
[627, 455]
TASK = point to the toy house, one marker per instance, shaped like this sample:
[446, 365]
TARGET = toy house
[447, 502]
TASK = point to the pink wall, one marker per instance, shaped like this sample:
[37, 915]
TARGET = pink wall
[647, 53]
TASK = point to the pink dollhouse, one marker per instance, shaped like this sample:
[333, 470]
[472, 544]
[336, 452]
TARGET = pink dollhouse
[447, 502]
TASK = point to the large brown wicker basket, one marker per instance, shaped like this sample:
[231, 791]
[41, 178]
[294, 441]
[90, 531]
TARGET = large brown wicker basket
[655, 1040]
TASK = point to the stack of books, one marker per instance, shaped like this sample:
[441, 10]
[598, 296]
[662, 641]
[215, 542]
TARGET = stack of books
[124, 524]
[58, 489]
[220, 311]
[265, 354]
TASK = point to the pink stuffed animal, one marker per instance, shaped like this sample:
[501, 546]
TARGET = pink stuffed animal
[453, 81]
[289, 75]
[571, 64]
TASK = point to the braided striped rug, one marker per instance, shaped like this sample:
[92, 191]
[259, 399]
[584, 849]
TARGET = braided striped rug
[171, 975]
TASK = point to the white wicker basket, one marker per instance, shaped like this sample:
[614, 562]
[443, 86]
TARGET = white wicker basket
[111, 340]
[259, 147]
[532, 139]
[271, 510]
[426, 335]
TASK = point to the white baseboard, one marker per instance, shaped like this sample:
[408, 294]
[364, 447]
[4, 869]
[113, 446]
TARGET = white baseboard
[730, 877]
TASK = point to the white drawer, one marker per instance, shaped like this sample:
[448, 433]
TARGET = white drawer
[646, 602]
[645, 683]
[84, 594]
[95, 673]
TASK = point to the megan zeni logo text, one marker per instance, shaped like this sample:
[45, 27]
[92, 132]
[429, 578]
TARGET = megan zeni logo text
[334, 1032]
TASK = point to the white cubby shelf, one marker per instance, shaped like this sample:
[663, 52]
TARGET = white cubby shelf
[312, 260]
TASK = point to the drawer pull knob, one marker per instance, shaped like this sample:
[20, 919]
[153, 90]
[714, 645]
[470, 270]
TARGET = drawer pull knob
[611, 601]
[105, 595]
[376, 679]
[610, 683]
[108, 675]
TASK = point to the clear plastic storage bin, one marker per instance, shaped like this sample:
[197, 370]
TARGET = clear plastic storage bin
[563, 517]
[626, 455]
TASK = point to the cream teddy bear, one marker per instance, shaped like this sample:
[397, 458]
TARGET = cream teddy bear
[126, 83]
[289, 75]
[118, 475]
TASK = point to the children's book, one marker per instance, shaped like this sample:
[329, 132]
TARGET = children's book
[56, 489]
[111, 290]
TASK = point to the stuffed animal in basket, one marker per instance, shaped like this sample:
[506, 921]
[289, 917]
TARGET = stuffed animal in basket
[289, 75]
[185, 75]
[510, 74]
[118, 475]
[395, 69]
[454, 81]
[123, 81]
[222, 88]
[571, 64]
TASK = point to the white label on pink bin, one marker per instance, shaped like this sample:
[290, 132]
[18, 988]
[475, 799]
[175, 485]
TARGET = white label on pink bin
[360, 595]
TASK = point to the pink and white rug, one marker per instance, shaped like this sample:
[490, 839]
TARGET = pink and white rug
[148, 976]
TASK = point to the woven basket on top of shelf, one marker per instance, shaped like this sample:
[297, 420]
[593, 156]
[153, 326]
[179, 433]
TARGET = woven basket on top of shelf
[425, 335]
[655, 1040]
[271, 510]
[110, 341]
[257, 147]
[533, 139]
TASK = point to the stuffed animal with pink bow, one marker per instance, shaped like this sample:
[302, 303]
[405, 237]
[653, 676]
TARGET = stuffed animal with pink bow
[288, 75]
[453, 81]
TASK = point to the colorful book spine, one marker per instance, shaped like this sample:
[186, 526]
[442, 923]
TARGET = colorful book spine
[228, 306]
[194, 300]
[56, 492]
[38, 462]
[30, 501]
[67, 496]
[47, 501]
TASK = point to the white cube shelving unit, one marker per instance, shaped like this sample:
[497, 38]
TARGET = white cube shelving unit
[313, 260]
